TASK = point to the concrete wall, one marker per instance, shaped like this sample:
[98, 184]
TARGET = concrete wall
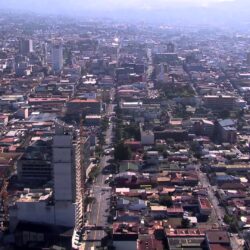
[62, 141]
[147, 138]
[63, 182]
[62, 155]
[63, 168]
[36, 212]
[125, 245]
[62, 214]
[65, 214]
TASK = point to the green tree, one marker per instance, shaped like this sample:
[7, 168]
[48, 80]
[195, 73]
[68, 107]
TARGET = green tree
[94, 172]
[224, 114]
[232, 222]
[98, 150]
[132, 131]
[166, 200]
[185, 223]
[165, 154]
[101, 139]
[104, 124]
[89, 200]
[122, 152]
[227, 219]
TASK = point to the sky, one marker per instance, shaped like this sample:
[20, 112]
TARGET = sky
[102, 4]
[197, 11]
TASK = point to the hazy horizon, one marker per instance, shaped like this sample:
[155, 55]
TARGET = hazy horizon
[233, 12]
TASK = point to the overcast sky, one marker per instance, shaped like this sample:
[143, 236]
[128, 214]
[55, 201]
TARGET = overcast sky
[102, 4]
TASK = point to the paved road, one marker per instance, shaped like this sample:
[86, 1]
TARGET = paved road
[100, 208]
[218, 211]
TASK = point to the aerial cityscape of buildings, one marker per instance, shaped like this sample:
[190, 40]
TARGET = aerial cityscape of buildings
[123, 136]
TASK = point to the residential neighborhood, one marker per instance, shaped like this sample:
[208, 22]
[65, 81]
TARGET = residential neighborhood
[123, 136]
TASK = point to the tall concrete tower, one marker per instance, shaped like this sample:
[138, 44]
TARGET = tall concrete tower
[57, 57]
[248, 58]
[45, 53]
[64, 170]
[170, 47]
[64, 178]
[70, 157]
[25, 46]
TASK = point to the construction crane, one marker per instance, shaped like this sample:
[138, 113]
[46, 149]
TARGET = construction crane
[4, 204]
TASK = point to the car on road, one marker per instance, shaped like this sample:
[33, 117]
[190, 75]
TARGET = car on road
[107, 180]
[108, 151]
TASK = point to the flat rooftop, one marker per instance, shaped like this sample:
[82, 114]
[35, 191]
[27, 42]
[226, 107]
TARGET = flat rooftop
[35, 195]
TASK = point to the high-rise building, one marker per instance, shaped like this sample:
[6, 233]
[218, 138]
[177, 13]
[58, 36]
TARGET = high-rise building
[248, 58]
[25, 46]
[64, 174]
[170, 47]
[219, 101]
[35, 163]
[62, 206]
[57, 57]
[45, 53]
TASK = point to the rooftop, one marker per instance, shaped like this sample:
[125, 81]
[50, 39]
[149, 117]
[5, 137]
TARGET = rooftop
[218, 237]
[35, 195]
[191, 232]
[84, 101]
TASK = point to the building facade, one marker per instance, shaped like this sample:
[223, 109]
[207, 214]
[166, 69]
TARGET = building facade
[57, 57]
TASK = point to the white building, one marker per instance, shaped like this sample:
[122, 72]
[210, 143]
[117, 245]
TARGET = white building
[37, 206]
[57, 57]
[65, 206]
[147, 137]
[152, 157]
